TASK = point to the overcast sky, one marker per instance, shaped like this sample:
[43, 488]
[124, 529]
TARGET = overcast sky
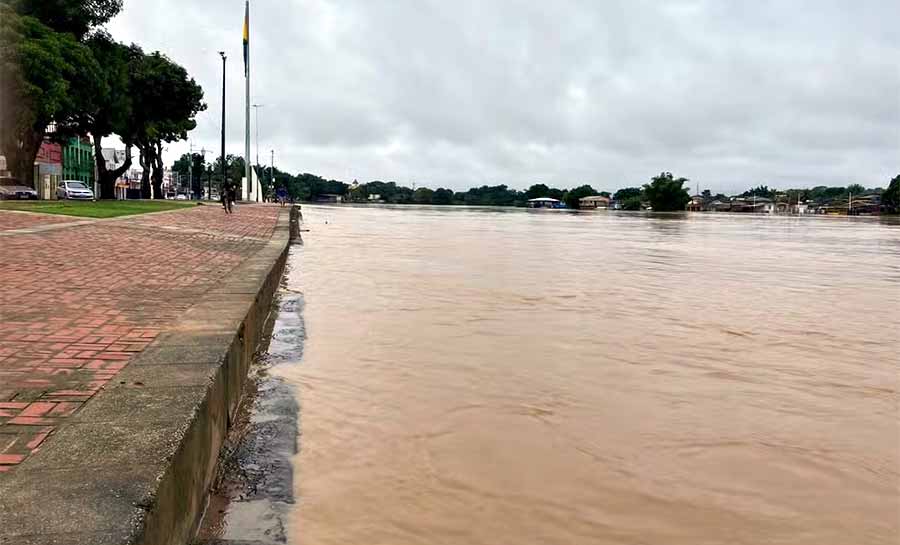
[461, 93]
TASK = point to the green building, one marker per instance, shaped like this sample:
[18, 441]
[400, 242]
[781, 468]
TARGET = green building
[78, 161]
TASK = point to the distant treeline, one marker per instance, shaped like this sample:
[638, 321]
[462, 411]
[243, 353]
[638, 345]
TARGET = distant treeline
[667, 191]
[309, 187]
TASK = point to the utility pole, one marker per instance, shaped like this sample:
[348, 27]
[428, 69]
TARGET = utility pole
[224, 179]
[272, 174]
[190, 190]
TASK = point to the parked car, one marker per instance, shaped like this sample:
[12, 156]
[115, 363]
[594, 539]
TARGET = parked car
[13, 188]
[74, 189]
[181, 197]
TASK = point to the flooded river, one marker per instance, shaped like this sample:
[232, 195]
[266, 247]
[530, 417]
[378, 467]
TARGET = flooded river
[476, 376]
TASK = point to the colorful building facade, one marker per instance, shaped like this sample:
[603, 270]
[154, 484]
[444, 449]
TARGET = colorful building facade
[48, 169]
[78, 161]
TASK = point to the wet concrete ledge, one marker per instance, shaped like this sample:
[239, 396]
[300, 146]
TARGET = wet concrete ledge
[156, 431]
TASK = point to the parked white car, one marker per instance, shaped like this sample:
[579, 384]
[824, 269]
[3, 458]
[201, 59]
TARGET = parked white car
[74, 189]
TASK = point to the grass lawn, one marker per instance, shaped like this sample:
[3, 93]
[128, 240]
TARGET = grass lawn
[99, 209]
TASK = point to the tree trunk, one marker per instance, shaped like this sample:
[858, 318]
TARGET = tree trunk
[157, 170]
[145, 174]
[20, 154]
[107, 178]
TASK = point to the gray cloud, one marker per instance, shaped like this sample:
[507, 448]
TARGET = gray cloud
[608, 93]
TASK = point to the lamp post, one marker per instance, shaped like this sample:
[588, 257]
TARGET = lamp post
[190, 191]
[221, 187]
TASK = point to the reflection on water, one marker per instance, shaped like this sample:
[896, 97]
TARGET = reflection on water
[502, 376]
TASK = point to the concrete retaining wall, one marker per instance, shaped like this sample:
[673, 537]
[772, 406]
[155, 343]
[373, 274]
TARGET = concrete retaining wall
[157, 432]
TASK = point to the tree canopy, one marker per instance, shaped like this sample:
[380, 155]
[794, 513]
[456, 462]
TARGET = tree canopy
[45, 77]
[75, 17]
[573, 196]
[891, 196]
[629, 198]
[856, 189]
[61, 75]
[667, 193]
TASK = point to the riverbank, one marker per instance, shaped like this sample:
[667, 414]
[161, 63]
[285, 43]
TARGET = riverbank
[124, 346]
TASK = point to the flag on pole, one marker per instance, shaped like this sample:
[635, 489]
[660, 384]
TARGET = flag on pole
[247, 40]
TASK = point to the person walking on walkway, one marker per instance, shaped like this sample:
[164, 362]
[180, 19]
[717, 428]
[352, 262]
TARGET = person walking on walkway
[232, 197]
[226, 197]
[281, 193]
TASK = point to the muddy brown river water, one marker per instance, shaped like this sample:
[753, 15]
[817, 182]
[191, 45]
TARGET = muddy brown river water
[477, 376]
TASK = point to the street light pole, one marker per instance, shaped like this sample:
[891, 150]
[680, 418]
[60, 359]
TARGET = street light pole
[190, 190]
[272, 176]
[222, 185]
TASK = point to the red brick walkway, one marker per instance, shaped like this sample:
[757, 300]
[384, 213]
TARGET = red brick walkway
[18, 220]
[77, 302]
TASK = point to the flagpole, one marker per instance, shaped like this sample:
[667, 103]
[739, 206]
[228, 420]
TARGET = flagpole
[247, 166]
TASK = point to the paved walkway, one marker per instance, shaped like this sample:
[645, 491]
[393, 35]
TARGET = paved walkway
[12, 220]
[79, 301]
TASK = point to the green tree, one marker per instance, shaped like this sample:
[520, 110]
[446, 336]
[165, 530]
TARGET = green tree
[573, 196]
[191, 167]
[498, 195]
[76, 17]
[629, 198]
[760, 191]
[423, 195]
[822, 194]
[856, 189]
[890, 198]
[108, 107]
[166, 102]
[667, 193]
[442, 196]
[45, 77]
[556, 193]
[627, 192]
[537, 191]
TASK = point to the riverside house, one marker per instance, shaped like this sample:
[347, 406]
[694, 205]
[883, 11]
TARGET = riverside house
[593, 202]
[545, 202]
[753, 205]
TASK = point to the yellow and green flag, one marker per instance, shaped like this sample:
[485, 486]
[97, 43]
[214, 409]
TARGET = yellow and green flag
[247, 39]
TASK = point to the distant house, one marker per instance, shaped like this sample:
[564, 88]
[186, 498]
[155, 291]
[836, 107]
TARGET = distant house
[720, 206]
[594, 202]
[753, 205]
[865, 205]
[545, 202]
[696, 204]
[330, 198]
[800, 208]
